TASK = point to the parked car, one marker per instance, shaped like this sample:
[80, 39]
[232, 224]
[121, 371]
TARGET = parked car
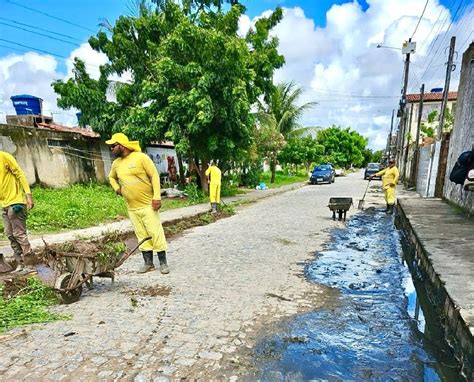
[339, 172]
[371, 169]
[323, 173]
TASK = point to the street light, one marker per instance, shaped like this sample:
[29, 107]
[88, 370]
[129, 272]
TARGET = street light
[387, 47]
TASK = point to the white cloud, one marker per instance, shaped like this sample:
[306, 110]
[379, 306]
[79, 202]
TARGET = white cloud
[340, 63]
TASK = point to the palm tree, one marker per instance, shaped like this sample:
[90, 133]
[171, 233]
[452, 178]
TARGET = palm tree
[282, 111]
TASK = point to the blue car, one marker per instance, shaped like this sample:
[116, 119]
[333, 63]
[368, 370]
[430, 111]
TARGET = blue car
[323, 173]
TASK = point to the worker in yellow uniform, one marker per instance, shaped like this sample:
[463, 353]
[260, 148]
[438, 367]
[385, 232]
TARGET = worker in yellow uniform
[214, 179]
[135, 177]
[390, 177]
[15, 200]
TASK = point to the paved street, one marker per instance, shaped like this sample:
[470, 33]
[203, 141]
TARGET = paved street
[230, 282]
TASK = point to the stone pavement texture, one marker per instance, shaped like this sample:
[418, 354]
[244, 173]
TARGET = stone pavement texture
[125, 226]
[446, 236]
[230, 282]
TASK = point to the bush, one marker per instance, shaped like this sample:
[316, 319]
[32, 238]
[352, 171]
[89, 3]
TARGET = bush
[252, 177]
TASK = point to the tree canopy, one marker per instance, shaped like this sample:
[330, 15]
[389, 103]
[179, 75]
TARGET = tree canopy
[193, 79]
[343, 146]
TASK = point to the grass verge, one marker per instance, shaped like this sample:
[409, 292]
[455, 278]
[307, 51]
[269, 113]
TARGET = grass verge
[28, 305]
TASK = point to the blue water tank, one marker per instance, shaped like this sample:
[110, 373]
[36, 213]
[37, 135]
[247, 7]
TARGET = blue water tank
[27, 104]
[437, 90]
[78, 116]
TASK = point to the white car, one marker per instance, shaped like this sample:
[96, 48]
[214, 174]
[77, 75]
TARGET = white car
[339, 172]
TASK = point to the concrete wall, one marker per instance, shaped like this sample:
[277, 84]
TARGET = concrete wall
[428, 170]
[462, 136]
[53, 158]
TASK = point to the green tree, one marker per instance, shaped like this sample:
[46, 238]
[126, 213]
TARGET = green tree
[282, 103]
[344, 146]
[194, 80]
[302, 150]
[269, 141]
[281, 108]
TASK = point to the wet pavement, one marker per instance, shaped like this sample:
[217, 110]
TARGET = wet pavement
[374, 327]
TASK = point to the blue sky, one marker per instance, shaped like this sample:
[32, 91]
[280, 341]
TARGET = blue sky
[329, 48]
[89, 13]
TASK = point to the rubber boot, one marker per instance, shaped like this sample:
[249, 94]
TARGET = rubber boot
[387, 208]
[163, 265]
[148, 266]
[390, 209]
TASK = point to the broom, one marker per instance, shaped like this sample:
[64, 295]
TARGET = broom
[362, 201]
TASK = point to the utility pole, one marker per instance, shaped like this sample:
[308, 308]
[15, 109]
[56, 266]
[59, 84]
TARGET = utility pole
[417, 141]
[389, 142]
[439, 183]
[403, 101]
[449, 69]
[405, 157]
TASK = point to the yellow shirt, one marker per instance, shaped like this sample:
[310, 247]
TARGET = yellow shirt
[389, 176]
[13, 182]
[138, 179]
[215, 173]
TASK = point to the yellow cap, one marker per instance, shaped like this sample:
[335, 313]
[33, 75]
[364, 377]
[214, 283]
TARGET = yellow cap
[123, 140]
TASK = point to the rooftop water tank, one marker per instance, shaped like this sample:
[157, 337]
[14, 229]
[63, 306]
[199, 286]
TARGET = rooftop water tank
[78, 116]
[27, 104]
[437, 90]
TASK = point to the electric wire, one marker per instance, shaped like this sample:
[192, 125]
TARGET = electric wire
[41, 29]
[40, 34]
[51, 16]
[419, 20]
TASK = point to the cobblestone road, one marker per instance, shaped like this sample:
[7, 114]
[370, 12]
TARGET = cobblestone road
[229, 283]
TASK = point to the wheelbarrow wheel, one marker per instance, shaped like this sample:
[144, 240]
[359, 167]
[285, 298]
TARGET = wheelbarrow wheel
[67, 297]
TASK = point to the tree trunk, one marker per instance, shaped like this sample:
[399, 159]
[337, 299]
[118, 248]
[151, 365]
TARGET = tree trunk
[202, 175]
[273, 169]
[182, 181]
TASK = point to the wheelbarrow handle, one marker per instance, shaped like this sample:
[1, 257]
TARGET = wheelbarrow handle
[130, 253]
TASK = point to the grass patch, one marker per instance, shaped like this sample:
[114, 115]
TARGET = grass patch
[282, 179]
[80, 206]
[29, 305]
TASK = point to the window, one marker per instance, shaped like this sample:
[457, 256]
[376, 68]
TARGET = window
[58, 143]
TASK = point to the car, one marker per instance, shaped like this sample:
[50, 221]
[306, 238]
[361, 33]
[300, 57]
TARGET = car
[371, 169]
[339, 172]
[323, 173]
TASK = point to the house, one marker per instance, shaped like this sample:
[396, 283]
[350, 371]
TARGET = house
[431, 102]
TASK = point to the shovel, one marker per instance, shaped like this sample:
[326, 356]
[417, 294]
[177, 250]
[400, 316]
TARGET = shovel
[362, 201]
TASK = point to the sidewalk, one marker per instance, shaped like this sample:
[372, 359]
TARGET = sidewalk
[440, 238]
[125, 227]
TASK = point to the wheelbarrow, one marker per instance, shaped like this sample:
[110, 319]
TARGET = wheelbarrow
[341, 206]
[67, 272]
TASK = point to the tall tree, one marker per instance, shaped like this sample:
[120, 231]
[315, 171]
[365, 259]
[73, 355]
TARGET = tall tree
[345, 146]
[193, 80]
[281, 109]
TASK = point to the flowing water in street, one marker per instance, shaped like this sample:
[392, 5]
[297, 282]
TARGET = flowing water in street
[374, 328]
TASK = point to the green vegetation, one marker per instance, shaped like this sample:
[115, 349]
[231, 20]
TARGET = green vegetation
[180, 89]
[29, 305]
[87, 205]
[282, 178]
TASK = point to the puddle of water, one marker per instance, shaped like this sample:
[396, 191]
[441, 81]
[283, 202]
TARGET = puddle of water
[377, 331]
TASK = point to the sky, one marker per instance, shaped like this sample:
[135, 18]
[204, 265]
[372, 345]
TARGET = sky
[330, 49]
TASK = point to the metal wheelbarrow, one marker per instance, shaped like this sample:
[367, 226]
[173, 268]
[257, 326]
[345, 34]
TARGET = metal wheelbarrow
[67, 272]
[341, 206]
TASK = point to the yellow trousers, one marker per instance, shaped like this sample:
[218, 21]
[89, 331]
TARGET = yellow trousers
[146, 222]
[215, 193]
[389, 194]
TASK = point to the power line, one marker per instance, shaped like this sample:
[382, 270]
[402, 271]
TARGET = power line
[419, 20]
[41, 29]
[51, 16]
[44, 51]
[40, 34]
